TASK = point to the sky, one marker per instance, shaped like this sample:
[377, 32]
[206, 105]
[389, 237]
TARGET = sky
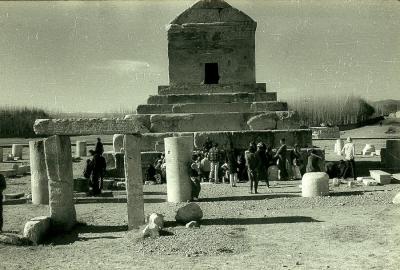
[110, 56]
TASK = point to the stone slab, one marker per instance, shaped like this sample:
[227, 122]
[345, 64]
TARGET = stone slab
[36, 229]
[381, 177]
[212, 98]
[90, 126]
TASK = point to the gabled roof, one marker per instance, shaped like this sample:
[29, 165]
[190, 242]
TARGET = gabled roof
[211, 11]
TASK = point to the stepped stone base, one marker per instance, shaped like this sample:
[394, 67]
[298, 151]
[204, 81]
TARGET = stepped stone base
[212, 98]
[211, 88]
[243, 107]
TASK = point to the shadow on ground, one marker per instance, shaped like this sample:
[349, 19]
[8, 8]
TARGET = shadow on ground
[345, 193]
[249, 197]
[255, 221]
[56, 238]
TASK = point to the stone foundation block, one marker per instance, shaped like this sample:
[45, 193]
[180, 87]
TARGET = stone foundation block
[381, 177]
[36, 229]
[315, 184]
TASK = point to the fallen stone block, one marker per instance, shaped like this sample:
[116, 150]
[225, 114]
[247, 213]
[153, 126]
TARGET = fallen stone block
[157, 219]
[189, 212]
[315, 184]
[36, 229]
[381, 177]
[155, 224]
[336, 182]
[369, 182]
[396, 177]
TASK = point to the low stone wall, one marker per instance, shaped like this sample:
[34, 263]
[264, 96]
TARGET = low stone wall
[325, 132]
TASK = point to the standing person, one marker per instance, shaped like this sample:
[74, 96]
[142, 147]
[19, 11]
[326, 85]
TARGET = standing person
[232, 165]
[349, 151]
[262, 164]
[195, 178]
[3, 186]
[99, 149]
[252, 164]
[280, 155]
[241, 168]
[297, 162]
[313, 162]
[205, 166]
[213, 156]
[207, 145]
[98, 165]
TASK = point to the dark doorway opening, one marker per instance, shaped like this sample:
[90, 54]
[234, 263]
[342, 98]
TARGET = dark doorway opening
[211, 75]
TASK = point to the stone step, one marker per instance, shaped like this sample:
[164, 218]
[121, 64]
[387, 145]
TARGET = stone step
[191, 122]
[211, 88]
[212, 98]
[245, 107]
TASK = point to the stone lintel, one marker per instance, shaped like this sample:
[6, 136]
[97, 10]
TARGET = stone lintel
[89, 126]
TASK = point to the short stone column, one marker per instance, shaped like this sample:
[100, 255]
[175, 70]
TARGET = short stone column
[16, 150]
[339, 146]
[118, 142]
[134, 181]
[39, 180]
[61, 183]
[178, 155]
[80, 149]
[315, 184]
[392, 154]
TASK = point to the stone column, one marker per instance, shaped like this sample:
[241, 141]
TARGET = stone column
[178, 155]
[134, 181]
[392, 154]
[39, 180]
[118, 142]
[80, 149]
[61, 183]
[338, 146]
[16, 150]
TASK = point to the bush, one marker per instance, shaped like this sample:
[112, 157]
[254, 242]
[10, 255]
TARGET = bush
[18, 121]
[336, 110]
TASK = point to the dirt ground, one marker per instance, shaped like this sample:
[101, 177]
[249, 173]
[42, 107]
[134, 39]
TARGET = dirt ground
[353, 228]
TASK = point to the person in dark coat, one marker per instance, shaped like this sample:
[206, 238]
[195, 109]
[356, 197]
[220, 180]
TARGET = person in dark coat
[99, 149]
[313, 162]
[98, 170]
[252, 164]
[195, 178]
[297, 161]
[281, 156]
[3, 186]
[262, 173]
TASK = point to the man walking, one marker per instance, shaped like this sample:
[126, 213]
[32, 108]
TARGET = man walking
[98, 170]
[349, 151]
[282, 160]
[252, 164]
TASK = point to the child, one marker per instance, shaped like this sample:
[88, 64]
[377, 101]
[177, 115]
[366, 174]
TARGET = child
[3, 186]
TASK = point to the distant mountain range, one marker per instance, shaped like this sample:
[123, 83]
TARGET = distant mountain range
[386, 106]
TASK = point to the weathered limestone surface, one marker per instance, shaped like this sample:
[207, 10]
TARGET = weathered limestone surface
[212, 98]
[81, 150]
[241, 139]
[274, 120]
[211, 88]
[16, 150]
[90, 126]
[315, 184]
[61, 185]
[118, 142]
[39, 180]
[178, 154]
[134, 182]
[381, 177]
[36, 229]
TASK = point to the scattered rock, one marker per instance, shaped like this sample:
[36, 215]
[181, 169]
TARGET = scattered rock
[36, 229]
[192, 224]
[189, 212]
[157, 219]
[14, 239]
[154, 226]
[396, 199]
